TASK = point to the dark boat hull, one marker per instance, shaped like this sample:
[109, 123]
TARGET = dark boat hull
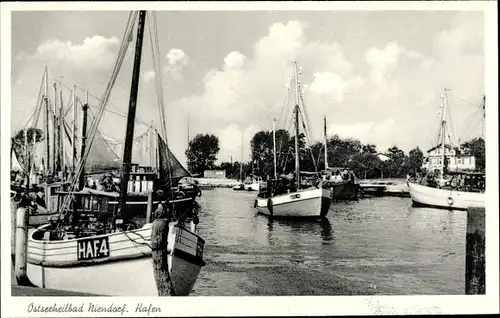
[344, 191]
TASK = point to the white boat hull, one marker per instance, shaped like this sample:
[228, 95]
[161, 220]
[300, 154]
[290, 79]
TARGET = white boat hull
[56, 265]
[446, 199]
[304, 203]
[253, 186]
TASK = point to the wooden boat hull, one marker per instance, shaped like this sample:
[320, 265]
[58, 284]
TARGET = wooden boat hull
[445, 199]
[64, 265]
[304, 203]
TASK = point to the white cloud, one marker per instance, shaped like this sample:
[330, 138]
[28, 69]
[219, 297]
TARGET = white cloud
[94, 53]
[249, 89]
[382, 61]
[176, 61]
[234, 60]
[332, 86]
[380, 133]
[230, 142]
[465, 36]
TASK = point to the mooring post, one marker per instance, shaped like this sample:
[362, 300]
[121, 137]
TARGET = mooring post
[21, 258]
[149, 208]
[159, 243]
[475, 274]
[13, 222]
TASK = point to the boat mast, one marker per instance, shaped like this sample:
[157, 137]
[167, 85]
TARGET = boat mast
[47, 134]
[297, 161]
[57, 162]
[61, 134]
[326, 153]
[484, 115]
[443, 133]
[274, 149]
[188, 132]
[241, 163]
[81, 181]
[75, 114]
[129, 136]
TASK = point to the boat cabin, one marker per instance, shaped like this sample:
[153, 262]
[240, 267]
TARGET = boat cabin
[338, 175]
[467, 182]
[89, 212]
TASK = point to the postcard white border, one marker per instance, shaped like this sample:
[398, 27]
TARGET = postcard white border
[251, 305]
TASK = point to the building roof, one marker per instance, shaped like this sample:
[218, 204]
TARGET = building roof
[439, 146]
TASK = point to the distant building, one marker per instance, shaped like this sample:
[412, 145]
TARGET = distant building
[214, 174]
[458, 159]
[383, 157]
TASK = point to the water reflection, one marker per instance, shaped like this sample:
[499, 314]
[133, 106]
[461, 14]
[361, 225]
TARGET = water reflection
[321, 227]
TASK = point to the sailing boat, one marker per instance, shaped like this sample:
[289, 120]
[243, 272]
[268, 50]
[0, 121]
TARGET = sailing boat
[50, 153]
[296, 202]
[241, 184]
[97, 246]
[448, 193]
[341, 181]
[254, 183]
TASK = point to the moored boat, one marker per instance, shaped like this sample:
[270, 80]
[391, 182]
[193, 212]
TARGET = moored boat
[446, 189]
[104, 264]
[340, 181]
[286, 197]
[449, 196]
[98, 243]
[310, 202]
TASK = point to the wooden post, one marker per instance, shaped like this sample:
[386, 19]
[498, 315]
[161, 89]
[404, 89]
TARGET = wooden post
[149, 208]
[475, 274]
[159, 242]
[13, 223]
[81, 181]
[21, 258]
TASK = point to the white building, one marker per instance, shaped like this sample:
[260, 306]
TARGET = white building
[458, 159]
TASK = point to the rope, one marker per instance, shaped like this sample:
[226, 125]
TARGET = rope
[38, 100]
[155, 51]
[116, 69]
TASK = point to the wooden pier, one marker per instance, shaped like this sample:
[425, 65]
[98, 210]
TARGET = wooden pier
[382, 188]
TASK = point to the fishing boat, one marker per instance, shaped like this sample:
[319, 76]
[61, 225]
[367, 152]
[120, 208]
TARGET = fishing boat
[457, 190]
[240, 186]
[98, 244]
[50, 163]
[291, 201]
[342, 182]
[49, 152]
[254, 184]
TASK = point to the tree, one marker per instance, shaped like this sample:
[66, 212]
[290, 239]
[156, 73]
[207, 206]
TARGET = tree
[262, 152]
[369, 149]
[476, 147]
[340, 151]
[415, 159]
[396, 165]
[19, 145]
[202, 153]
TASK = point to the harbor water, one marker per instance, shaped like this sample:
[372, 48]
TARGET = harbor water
[380, 246]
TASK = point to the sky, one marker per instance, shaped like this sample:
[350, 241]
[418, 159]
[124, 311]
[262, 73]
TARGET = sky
[377, 76]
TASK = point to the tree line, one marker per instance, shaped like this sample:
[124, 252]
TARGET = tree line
[364, 159]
